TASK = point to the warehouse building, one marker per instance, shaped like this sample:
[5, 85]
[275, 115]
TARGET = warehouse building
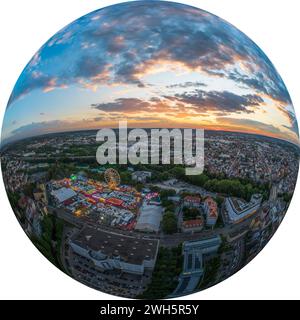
[63, 194]
[149, 218]
[111, 262]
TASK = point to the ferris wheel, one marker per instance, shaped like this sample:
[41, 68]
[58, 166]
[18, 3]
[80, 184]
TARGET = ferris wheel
[112, 178]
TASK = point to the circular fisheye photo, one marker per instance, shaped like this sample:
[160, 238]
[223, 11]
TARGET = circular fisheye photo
[149, 150]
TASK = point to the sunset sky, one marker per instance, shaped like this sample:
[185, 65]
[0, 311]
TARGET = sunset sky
[156, 64]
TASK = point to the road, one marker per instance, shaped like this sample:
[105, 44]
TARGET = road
[182, 186]
[172, 240]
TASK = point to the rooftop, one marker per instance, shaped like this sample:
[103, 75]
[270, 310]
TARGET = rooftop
[149, 218]
[240, 205]
[194, 199]
[213, 207]
[192, 223]
[63, 194]
[129, 249]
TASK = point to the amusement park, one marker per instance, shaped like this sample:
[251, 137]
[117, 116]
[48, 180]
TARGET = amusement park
[107, 203]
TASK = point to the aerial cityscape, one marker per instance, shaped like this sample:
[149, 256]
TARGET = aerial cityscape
[139, 231]
[144, 230]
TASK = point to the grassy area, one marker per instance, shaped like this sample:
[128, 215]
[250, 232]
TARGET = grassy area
[191, 213]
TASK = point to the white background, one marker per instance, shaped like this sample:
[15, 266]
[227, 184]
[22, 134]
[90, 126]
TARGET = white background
[26, 25]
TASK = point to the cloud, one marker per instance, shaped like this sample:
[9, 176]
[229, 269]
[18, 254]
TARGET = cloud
[89, 66]
[38, 127]
[187, 84]
[26, 84]
[293, 122]
[123, 105]
[183, 106]
[249, 125]
[122, 43]
[222, 102]
[138, 109]
[264, 81]
[45, 127]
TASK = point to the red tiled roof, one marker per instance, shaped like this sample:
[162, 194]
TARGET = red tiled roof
[192, 199]
[193, 223]
[212, 205]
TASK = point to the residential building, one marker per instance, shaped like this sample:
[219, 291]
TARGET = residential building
[192, 201]
[210, 208]
[192, 225]
[193, 269]
[238, 209]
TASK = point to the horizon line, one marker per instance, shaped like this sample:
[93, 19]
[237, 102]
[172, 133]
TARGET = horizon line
[3, 143]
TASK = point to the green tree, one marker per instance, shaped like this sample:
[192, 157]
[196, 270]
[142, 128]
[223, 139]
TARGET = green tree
[165, 275]
[169, 223]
